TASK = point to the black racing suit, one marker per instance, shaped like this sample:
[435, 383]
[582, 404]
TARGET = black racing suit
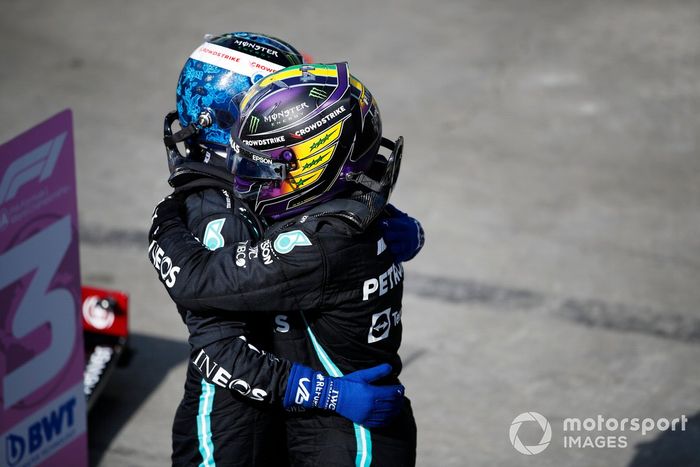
[225, 417]
[335, 296]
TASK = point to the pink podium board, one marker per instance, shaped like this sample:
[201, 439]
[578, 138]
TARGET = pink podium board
[42, 404]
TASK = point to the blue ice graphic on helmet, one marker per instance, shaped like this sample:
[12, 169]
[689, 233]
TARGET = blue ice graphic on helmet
[205, 86]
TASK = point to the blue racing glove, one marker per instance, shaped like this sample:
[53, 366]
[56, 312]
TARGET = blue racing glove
[403, 234]
[350, 396]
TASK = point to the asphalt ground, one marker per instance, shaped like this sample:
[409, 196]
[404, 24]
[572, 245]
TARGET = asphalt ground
[552, 155]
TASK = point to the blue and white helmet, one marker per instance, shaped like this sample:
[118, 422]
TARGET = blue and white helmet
[213, 80]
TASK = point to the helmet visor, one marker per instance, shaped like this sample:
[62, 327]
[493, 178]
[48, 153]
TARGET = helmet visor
[247, 162]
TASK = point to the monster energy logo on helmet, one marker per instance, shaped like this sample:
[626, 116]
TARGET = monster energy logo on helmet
[255, 47]
[253, 126]
[317, 93]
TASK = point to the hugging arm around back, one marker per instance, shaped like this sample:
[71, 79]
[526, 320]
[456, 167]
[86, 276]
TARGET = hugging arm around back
[246, 276]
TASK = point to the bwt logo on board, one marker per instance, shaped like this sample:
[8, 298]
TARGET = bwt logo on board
[48, 428]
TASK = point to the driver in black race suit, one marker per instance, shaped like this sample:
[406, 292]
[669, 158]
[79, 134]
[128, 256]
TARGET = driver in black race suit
[232, 427]
[324, 263]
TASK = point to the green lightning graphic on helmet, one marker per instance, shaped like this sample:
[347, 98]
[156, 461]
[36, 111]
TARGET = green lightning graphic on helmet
[321, 140]
[301, 182]
[308, 165]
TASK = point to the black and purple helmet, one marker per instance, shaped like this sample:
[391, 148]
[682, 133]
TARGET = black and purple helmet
[306, 134]
[211, 84]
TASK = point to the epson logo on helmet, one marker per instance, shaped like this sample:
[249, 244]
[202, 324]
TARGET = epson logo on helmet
[264, 160]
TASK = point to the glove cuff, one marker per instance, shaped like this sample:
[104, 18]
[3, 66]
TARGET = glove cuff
[310, 389]
[299, 387]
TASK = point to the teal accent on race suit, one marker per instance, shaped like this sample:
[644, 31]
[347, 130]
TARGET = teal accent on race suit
[206, 402]
[213, 239]
[363, 436]
[284, 243]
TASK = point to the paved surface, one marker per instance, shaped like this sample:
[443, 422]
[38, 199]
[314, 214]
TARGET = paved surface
[552, 155]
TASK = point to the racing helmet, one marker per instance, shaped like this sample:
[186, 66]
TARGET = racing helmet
[305, 135]
[211, 84]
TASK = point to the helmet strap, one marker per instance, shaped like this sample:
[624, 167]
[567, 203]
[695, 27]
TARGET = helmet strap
[363, 179]
[204, 120]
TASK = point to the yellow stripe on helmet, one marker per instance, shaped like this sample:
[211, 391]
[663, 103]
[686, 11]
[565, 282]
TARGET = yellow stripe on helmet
[313, 162]
[296, 71]
[317, 69]
[320, 141]
[306, 179]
